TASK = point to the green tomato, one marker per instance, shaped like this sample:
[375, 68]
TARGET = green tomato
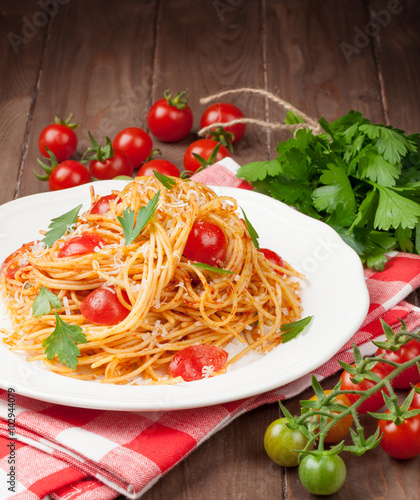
[280, 443]
[322, 474]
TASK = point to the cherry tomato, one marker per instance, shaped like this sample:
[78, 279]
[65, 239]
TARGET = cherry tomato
[401, 441]
[101, 207]
[405, 353]
[162, 166]
[272, 257]
[189, 362]
[60, 138]
[376, 400]
[341, 428]
[15, 261]
[103, 307]
[136, 143]
[67, 174]
[281, 443]
[322, 474]
[206, 243]
[203, 148]
[118, 164]
[223, 113]
[80, 245]
[416, 400]
[170, 119]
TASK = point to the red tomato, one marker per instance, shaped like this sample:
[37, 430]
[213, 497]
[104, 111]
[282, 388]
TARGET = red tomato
[80, 245]
[203, 148]
[374, 402]
[102, 307]
[401, 441]
[405, 353]
[162, 166]
[206, 243]
[272, 257]
[118, 164]
[101, 207]
[60, 138]
[223, 113]
[416, 400]
[68, 174]
[14, 261]
[170, 119]
[189, 362]
[136, 143]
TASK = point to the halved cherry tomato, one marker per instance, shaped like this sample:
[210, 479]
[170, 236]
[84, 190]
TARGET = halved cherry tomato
[224, 112]
[203, 148]
[103, 307]
[60, 138]
[80, 245]
[401, 441]
[136, 143]
[405, 353]
[68, 174]
[13, 262]
[189, 362]
[162, 166]
[206, 243]
[101, 207]
[272, 257]
[341, 428]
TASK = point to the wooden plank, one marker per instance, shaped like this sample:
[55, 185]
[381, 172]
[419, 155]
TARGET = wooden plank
[21, 46]
[308, 62]
[397, 44]
[99, 65]
[216, 46]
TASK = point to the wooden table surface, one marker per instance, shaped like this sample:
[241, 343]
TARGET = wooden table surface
[107, 62]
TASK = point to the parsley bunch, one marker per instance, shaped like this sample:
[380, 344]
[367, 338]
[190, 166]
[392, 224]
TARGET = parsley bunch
[360, 178]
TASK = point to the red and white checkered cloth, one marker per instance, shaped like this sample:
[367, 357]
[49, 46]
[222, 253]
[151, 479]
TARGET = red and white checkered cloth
[84, 454]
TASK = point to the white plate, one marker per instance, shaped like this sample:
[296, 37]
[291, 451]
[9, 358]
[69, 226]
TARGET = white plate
[334, 293]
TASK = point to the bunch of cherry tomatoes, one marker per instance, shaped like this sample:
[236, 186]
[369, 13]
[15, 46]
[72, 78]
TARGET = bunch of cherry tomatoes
[170, 119]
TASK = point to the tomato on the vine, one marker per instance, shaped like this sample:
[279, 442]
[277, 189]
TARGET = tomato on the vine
[103, 307]
[81, 245]
[206, 243]
[416, 400]
[401, 441]
[15, 261]
[322, 474]
[162, 166]
[223, 113]
[106, 162]
[170, 119]
[281, 443]
[203, 148]
[60, 138]
[67, 174]
[405, 353]
[272, 256]
[136, 143]
[376, 400]
[191, 363]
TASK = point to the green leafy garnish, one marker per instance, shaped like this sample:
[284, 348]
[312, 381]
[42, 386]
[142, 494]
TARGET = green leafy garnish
[168, 182]
[62, 342]
[131, 230]
[60, 225]
[44, 301]
[362, 179]
[207, 267]
[292, 330]
[252, 232]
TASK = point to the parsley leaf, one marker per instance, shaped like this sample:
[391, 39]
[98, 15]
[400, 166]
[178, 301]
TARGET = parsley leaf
[131, 230]
[254, 235]
[167, 182]
[292, 330]
[337, 189]
[207, 267]
[44, 301]
[62, 342]
[60, 225]
[394, 210]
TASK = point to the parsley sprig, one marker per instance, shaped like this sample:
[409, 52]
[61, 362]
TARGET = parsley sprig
[131, 227]
[44, 301]
[60, 225]
[362, 179]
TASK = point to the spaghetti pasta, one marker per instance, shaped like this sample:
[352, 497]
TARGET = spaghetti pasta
[170, 302]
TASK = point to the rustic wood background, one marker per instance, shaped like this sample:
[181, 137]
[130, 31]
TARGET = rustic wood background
[108, 61]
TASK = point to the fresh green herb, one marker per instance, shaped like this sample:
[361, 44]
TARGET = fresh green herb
[44, 301]
[62, 342]
[131, 230]
[60, 225]
[165, 180]
[360, 178]
[207, 267]
[252, 232]
[292, 330]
